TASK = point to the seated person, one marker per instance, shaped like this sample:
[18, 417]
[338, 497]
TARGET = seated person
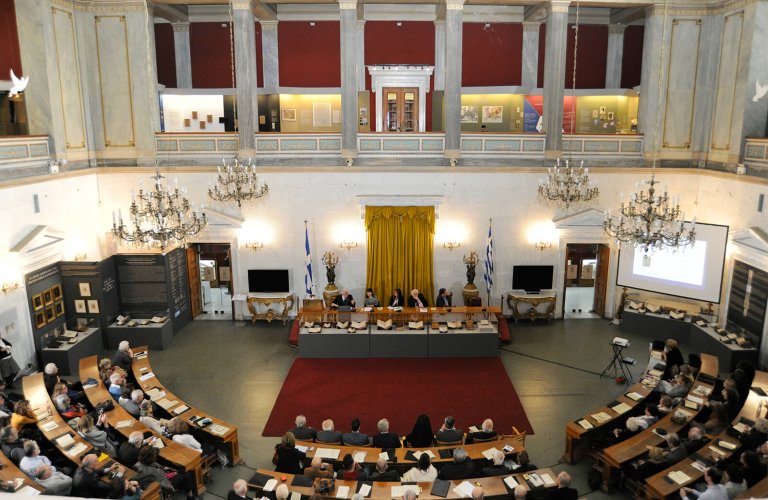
[116, 382]
[239, 491]
[444, 298]
[301, 431]
[755, 436]
[22, 418]
[33, 459]
[182, 481]
[105, 370]
[95, 433]
[328, 434]
[319, 469]
[287, 458]
[733, 480]
[123, 356]
[397, 299]
[12, 446]
[355, 437]
[417, 299]
[54, 481]
[424, 471]
[694, 441]
[133, 405]
[178, 429]
[715, 490]
[51, 377]
[666, 405]
[66, 409]
[383, 472]
[448, 433]
[649, 417]
[523, 463]
[345, 299]
[351, 470]
[421, 435]
[676, 450]
[677, 388]
[385, 439]
[485, 433]
[498, 468]
[461, 468]
[631, 428]
[563, 490]
[370, 299]
[128, 453]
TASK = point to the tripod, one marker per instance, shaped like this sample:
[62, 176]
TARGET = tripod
[618, 363]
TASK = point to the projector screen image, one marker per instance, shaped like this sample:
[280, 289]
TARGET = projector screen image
[694, 272]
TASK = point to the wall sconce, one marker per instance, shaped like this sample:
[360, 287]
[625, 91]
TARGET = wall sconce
[255, 245]
[450, 245]
[10, 286]
[80, 257]
[348, 244]
[541, 245]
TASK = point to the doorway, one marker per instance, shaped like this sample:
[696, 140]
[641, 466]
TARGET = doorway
[402, 109]
[214, 264]
[586, 277]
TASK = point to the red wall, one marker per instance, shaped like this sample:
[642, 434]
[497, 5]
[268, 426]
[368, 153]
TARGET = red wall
[211, 63]
[10, 55]
[492, 56]
[309, 56]
[259, 57]
[166, 57]
[542, 51]
[632, 64]
[593, 51]
[411, 43]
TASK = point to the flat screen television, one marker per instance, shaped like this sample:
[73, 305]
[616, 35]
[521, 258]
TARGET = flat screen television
[268, 280]
[532, 278]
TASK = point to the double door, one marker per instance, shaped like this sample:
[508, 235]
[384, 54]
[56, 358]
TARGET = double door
[402, 109]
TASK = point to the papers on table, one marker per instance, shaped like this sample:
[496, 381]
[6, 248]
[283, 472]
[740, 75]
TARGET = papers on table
[399, 491]
[220, 430]
[699, 466]
[158, 443]
[621, 408]
[180, 409]
[77, 449]
[601, 417]
[690, 404]
[165, 403]
[64, 441]
[535, 479]
[489, 453]
[704, 391]
[418, 454]
[634, 396]
[342, 492]
[28, 490]
[124, 423]
[146, 376]
[295, 495]
[548, 481]
[655, 373]
[384, 455]
[679, 477]
[359, 456]
[741, 427]
[302, 449]
[332, 453]
[510, 482]
[585, 424]
[695, 399]
[270, 485]
[464, 489]
[155, 394]
[49, 426]
[716, 450]
[365, 489]
[726, 445]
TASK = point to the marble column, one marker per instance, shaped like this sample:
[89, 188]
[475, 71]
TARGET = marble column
[751, 111]
[183, 55]
[439, 74]
[454, 16]
[530, 70]
[615, 56]
[269, 56]
[650, 106]
[360, 55]
[554, 76]
[245, 72]
[349, 76]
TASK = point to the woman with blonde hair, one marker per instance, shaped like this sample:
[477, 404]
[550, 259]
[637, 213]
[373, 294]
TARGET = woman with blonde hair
[179, 432]
[287, 458]
[94, 433]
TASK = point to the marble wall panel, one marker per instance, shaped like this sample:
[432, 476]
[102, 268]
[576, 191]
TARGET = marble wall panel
[726, 81]
[68, 66]
[682, 71]
[115, 81]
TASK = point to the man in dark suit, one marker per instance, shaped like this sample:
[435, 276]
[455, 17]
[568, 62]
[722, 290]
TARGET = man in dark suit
[461, 468]
[486, 433]
[676, 451]
[694, 441]
[301, 431]
[355, 438]
[385, 439]
[563, 490]
[417, 299]
[239, 491]
[444, 298]
[383, 473]
[328, 434]
[345, 299]
[448, 433]
[498, 468]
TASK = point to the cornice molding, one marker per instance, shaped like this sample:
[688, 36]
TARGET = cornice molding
[180, 27]
[269, 25]
[532, 26]
[616, 29]
[347, 4]
[110, 5]
[558, 6]
[454, 4]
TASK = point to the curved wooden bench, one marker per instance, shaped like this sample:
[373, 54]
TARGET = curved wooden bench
[10, 472]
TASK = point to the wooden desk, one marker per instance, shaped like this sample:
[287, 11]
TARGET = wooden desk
[181, 456]
[657, 486]
[577, 437]
[760, 490]
[10, 472]
[615, 456]
[227, 442]
[35, 392]
[493, 487]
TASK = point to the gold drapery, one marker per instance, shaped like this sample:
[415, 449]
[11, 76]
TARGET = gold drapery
[400, 243]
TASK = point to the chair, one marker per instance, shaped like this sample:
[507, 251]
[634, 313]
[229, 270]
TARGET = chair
[486, 440]
[458, 442]
[516, 434]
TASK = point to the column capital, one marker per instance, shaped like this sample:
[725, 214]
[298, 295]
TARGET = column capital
[242, 5]
[616, 29]
[439, 23]
[532, 26]
[180, 26]
[269, 24]
[558, 6]
[361, 23]
[454, 4]
[347, 4]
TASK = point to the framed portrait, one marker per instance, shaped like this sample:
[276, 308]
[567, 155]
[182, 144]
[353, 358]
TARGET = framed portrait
[57, 293]
[93, 306]
[58, 308]
[187, 122]
[85, 289]
[194, 115]
[610, 115]
[602, 110]
[40, 319]
[48, 297]
[594, 113]
[202, 124]
[288, 114]
[209, 118]
[493, 114]
[80, 307]
[470, 114]
[37, 302]
[50, 314]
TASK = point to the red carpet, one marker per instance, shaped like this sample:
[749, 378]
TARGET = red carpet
[470, 389]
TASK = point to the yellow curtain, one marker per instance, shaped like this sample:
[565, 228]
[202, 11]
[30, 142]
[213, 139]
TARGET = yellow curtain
[400, 242]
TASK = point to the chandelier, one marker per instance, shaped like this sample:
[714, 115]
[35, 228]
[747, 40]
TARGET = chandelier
[568, 185]
[238, 183]
[160, 217]
[649, 220]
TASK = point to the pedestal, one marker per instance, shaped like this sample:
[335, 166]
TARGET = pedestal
[469, 292]
[330, 293]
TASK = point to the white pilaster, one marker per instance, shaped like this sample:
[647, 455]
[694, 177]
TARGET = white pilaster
[183, 55]
[614, 56]
[270, 56]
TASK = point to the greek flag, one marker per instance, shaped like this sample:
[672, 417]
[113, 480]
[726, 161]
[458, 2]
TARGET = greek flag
[308, 282]
[488, 276]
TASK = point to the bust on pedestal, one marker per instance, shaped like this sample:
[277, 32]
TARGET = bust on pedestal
[330, 292]
[470, 291]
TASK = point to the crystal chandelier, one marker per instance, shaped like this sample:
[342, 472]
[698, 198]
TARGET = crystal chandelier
[237, 183]
[160, 217]
[568, 185]
[649, 220]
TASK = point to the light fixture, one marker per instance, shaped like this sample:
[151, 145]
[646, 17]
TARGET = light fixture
[649, 220]
[450, 245]
[80, 257]
[569, 185]
[472, 259]
[160, 217]
[237, 182]
[348, 244]
[10, 286]
[311, 23]
[487, 25]
[255, 245]
[541, 245]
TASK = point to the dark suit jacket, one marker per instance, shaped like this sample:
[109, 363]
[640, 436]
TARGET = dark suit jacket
[562, 494]
[87, 484]
[355, 438]
[471, 436]
[412, 302]
[449, 435]
[328, 437]
[441, 301]
[693, 445]
[303, 433]
[234, 496]
[676, 454]
[400, 301]
[123, 360]
[495, 470]
[386, 440]
[339, 301]
[460, 470]
[390, 475]
[128, 454]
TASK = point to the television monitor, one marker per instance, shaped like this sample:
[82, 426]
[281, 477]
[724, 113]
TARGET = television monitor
[532, 278]
[268, 280]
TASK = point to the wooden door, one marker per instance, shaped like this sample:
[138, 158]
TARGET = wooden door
[193, 270]
[601, 279]
[401, 109]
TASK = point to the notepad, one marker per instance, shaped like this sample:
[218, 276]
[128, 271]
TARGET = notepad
[342, 492]
[511, 482]
[699, 466]
[585, 424]
[679, 477]
[601, 417]
[621, 408]
[716, 450]
[270, 485]
[158, 443]
[146, 376]
[165, 403]
[535, 479]
[332, 453]
[48, 427]
[726, 445]
[384, 455]
[220, 430]
[124, 423]
[634, 396]
[384, 325]
[548, 481]
[695, 399]
[464, 489]
[418, 454]
[704, 391]
[295, 495]
[76, 450]
[64, 441]
[156, 394]
[359, 456]
[181, 409]
[416, 325]
[741, 427]
[691, 405]
[489, 453]
[28, 490]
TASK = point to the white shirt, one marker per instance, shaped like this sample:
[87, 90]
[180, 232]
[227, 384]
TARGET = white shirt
[416, 475]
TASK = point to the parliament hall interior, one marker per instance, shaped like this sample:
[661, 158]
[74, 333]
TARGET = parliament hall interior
[384, 249]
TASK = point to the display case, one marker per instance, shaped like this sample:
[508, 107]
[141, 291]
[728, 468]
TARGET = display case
[66, 344]
[464, 333]
[399, 333]
[334, 334]
[150, 329]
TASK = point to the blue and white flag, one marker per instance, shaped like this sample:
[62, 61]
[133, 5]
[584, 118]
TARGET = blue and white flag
[308, 282]
[488, 276]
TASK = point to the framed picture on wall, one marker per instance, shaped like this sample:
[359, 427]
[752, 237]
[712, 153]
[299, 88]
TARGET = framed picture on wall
[80, 307]
[37, 302]
[40, 319]
[50, 314]
[48, 297]
[194, 115]
[610, 115]
[202, 124]
[288, 114]
[58, 307]
[57, 293]
[187, 122]
[470, 114]
[209, 118]
[85, 289]
[493, 114]
[93, 306]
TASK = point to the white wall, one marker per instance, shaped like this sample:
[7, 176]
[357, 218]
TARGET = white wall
[178, 107]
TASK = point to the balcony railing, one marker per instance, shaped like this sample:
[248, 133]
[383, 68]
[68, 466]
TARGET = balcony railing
[487, 145]
[298, 145]
[419, 145]
[199, 146]
[756, 152]
[603, 146]
[24, 151]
